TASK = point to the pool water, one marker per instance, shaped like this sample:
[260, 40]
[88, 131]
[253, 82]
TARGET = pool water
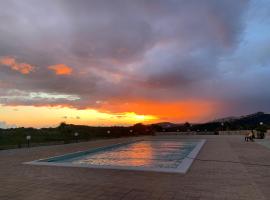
[158, 154]
[162, 155]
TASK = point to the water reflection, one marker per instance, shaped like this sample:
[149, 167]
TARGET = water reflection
[144, 153]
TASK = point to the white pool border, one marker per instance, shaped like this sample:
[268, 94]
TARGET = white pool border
[182, 168]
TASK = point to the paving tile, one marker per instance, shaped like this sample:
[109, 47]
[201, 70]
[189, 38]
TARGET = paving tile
[221, 171]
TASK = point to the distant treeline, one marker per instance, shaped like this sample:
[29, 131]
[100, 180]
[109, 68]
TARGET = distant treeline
[67, 133]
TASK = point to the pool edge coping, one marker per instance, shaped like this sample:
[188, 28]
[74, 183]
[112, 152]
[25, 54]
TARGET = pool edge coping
[182, 168]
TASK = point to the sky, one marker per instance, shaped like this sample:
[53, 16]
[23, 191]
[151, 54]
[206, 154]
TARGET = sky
[103, 62]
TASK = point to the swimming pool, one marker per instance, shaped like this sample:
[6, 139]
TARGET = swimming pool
[166, 155]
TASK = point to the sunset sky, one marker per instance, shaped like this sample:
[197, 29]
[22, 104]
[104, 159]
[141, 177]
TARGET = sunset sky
[120, 62]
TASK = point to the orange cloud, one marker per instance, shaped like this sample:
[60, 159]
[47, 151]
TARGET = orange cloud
[61, 69]
[23, 68]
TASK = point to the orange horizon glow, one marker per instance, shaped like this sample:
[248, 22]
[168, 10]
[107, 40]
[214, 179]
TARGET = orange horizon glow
[108, 114]
[189, 110]
[32, 116]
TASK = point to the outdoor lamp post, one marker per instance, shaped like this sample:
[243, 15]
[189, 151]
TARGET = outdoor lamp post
[222, 126]
[131, 131]
[261, 130]
[76, 136]
[108, 131]
[28, 138]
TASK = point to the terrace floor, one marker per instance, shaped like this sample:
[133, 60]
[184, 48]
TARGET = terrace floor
[226, 168]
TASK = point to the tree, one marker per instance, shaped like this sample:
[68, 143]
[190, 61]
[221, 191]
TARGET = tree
[262, 129]
[187, 126]
[65, 131]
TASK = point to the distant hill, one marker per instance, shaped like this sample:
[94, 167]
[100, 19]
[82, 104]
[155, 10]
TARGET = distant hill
[226, 119]
[253, 119]
[229, 123]
[166, 124]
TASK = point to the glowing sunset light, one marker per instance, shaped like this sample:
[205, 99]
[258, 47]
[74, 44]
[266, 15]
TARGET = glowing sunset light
[31, 116]
[190, 110]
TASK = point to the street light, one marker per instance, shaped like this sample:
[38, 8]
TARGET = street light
[108, 131]
[28, 138]
[262, 130]
[222, 125]
[131, 131]
[76, 136]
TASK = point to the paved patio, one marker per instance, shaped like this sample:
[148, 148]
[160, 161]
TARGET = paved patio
[226, 168]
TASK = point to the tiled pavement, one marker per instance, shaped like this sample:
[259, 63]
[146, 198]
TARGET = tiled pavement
[226, 168]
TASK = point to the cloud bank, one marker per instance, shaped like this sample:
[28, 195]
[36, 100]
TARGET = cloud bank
[110, 54]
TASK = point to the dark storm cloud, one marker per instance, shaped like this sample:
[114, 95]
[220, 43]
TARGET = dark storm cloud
[145, 49]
